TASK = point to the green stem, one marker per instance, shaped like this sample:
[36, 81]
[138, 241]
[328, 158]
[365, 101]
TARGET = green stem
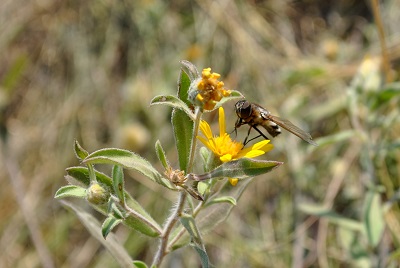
[174, 217]
[197, 115]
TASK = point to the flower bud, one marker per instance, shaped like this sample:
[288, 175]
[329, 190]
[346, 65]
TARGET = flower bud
[97, 194]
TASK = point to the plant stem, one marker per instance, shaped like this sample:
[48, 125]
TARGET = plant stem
[180, 205]
[197, 115]
[173, 218]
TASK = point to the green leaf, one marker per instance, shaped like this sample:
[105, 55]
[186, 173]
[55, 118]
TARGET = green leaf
[235, 95]
[140, 264]
[174, 102]
[112, 244]
[222, 199]
[333, 217]
[183, 87]
[202, 187]
[191, 69]
[189, 223]
[183, 131]
[161, 155]
[373, 218]
[128, 160]
[115, 210]
[79, 151]
[81, 175]
[119, 183]
[109, 223]
[241, 169]
[70, 191]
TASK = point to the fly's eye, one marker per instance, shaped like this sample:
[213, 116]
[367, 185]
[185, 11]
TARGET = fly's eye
[243, 109]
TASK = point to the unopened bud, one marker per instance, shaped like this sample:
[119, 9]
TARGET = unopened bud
[97, 194]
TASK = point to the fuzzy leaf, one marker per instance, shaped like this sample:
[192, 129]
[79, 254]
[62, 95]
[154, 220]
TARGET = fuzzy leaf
[222, 199]
[81, 175]
[161, 155]
[373, 218]
[189, 223]
[109, 223]
[79, 151]
[183, 87]
[235, 95]
[70, 191]
[183, 131]
[119, 183]
[128, 160]
[241, 169]
[191, 69]
[174, 102]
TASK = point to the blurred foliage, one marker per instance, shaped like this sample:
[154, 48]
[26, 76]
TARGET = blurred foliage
[87, 70]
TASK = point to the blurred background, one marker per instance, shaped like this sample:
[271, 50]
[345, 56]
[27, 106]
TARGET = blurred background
[87, 70]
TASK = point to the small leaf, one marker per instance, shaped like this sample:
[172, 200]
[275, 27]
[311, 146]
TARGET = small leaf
[189, 223]
[70, 191]
[119, 183]
[112, 244]
[222, 199]
[192, 71]
[128, 160]
[109, 223]
[235, 95]
[174, 102]
[114, 210]
[140, 264]
[161, 155]
[241, 169]
[79, 151]
[373, 218]
[183, 132]
[202, 187]
[81, 174]
[183, 87]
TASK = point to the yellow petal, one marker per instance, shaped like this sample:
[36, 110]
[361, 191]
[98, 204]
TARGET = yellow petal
[222, 129]
[233, 181]
[207, 143]
[226, 158]
[205, 129]
[263, 146]
[253, 153]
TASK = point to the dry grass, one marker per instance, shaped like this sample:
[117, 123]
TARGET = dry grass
[87, 70]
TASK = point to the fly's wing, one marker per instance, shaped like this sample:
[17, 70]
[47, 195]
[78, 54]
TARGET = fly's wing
[286, 124]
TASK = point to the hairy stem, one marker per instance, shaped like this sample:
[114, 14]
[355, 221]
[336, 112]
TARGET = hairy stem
[180, 205]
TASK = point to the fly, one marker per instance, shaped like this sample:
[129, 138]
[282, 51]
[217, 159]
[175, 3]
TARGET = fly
[254, 115]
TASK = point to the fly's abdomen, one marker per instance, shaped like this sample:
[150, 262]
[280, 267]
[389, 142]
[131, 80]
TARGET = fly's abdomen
[272, 128]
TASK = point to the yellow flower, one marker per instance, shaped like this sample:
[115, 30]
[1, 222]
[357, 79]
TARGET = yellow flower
[210, 90]
[227, 149]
